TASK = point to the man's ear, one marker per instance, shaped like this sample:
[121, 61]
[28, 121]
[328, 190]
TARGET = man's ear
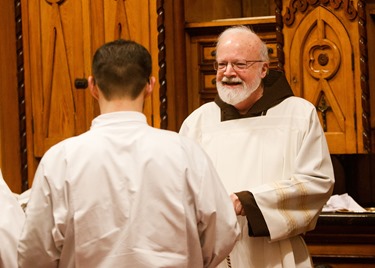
[93, 87]
[265, 69]
[150, 86]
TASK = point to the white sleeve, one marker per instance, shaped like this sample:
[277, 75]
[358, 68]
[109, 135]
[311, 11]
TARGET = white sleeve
[218, 227]
[295, 204]
[11, 221]
[37, 246]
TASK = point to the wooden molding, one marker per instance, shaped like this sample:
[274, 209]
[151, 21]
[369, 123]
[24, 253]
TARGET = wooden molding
[364, 76]
[21, 97]
[162, 66]
[302, 6]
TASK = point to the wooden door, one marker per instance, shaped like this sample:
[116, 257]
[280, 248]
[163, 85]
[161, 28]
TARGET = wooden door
[55, 50]
[135, 20]
[322, 65]
[60, 37]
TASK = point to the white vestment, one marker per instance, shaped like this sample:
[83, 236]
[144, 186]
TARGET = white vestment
[125, 194]
[281, 158]
[11, 221]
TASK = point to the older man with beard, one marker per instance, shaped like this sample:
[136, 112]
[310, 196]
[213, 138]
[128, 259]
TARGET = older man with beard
[270, 151]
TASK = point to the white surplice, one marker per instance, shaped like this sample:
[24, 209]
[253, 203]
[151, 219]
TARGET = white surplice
[11, 221]
[282, 158]
[125, 194]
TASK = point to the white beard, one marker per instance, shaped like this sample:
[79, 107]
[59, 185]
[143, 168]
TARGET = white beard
[237, 95]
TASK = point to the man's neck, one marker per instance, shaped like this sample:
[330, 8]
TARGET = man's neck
[244, 106]
[121, 105]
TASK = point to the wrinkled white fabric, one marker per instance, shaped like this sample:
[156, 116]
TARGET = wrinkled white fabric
[125, 194]
[11, 221]
[282, 158]
[342, 202]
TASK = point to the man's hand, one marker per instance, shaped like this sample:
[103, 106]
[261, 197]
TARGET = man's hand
[237, 205]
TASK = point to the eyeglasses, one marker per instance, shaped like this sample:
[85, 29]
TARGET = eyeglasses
[237, 66]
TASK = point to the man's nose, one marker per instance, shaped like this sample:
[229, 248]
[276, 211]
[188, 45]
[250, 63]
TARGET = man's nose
[229, 70]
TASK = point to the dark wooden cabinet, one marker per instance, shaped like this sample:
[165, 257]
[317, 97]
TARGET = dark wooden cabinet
[343, 240]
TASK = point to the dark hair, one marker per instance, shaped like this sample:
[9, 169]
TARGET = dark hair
[121, 68]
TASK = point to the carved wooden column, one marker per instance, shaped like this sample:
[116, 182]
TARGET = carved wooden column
[162, 66]
[21, 97]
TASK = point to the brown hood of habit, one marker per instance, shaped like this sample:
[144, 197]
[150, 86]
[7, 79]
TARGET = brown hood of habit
[276, 89]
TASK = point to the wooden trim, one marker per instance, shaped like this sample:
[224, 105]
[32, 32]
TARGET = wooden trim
[302, 6]
[21, 97]
[214, 28]
[9, 118]
[175, 57]
[162, 66]
[179, 56]
[231, 22]
[364, 76]
[279, 35]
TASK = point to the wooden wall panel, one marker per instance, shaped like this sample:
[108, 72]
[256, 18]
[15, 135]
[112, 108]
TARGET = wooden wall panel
[198, 10]
[60, 39]
[326, 63]
[9, 115]
[208, 10]
[131, 20]
[371, 59]
[175, 52]
[319, 72]
[55, 59]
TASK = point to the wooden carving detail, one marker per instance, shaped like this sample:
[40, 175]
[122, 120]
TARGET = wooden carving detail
[294, 6]
[122, 25]
[58, 91]
[54, 57]
[279, 35]
[320, 68]
[324, 108]
[302, 5]
[363, 58]
[21, 97]
[322, 63]
[162, 65]
[331, 69]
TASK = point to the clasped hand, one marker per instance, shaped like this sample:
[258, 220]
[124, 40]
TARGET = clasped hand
[238, 208]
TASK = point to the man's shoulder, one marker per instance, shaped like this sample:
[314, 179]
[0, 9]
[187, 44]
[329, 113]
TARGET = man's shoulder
[294, 107]
[209, 110]
[298, 102]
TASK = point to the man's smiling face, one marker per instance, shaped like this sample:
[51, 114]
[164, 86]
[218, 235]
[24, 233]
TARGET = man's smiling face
[234, 85]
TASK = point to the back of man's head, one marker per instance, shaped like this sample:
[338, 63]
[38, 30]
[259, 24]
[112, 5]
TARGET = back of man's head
[121, 68]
